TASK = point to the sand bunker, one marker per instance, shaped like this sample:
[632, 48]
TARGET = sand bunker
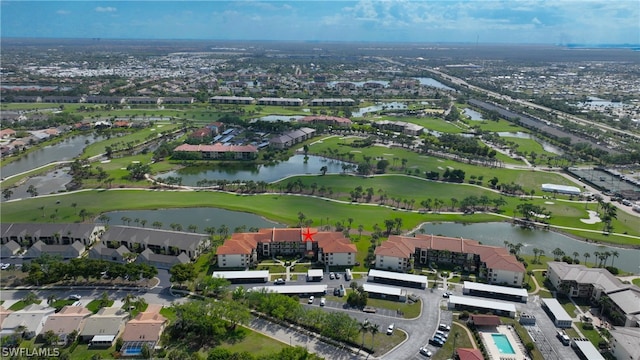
[594, 218]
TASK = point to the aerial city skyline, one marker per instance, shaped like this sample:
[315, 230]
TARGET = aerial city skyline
[525, 22]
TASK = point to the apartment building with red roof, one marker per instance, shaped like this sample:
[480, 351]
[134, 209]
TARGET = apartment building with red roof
[246, 249]
[492, 263]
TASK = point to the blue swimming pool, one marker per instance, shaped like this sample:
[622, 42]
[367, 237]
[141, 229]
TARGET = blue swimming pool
[503, 344]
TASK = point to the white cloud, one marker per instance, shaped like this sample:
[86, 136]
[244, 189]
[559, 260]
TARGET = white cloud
[106, 9]
[63, 12]
[536, 21]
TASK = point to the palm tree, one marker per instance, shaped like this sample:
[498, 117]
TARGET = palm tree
[536, 251]
[575, 256]
[614, 254]
[558, 253]
[374, 330]
[364, 329]
[586, 256]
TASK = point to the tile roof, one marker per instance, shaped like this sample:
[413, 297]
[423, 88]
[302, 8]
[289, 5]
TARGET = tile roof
[486, 320]
[146, 326]
[469, 354]
[493, 256]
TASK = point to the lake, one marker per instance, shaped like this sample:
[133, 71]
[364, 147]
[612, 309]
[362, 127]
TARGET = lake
[65, 150]
[269, 173]
[380, 106]
[201, 217]
[472, 114]
[497, 233]
[433, 83]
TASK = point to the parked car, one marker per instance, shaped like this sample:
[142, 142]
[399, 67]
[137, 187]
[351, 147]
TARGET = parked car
[369, 309]
[390, 329]
[75, 297]
[338, 276]
[440, 337]
[436, 342]
[444, 327]
[336, 292]
[279, 282]
[332, 276]
[426, 352]
[311, 298]
[322, 301]
[442, 334]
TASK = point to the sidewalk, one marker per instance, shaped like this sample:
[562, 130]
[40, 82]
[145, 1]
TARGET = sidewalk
[294, 337]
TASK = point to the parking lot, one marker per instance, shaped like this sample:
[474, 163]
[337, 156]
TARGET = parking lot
[344, 306]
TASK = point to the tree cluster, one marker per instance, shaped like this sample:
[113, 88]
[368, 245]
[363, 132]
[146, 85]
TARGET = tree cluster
[48, 269]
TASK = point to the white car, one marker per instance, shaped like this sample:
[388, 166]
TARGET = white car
[426, 352]
[311, 298]
[323, 301]
[390, 329]
[75, 297]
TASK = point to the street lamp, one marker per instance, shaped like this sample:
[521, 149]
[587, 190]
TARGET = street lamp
[290, 341]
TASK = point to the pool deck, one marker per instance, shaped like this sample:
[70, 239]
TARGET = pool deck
[492, 349]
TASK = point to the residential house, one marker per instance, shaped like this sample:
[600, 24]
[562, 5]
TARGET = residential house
[145, 329]
[9, 249]
[50, 234]
[244, 249]
[102, 252]
[163, 242]
[468, 354]
[161, 261]
[3, 314]
[7, 133]
[68, 320]
[28, 321]
[70, 251]
[492, 263]
[104, 327]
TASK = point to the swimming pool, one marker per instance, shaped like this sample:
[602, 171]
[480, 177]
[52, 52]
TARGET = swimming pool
[503, 344]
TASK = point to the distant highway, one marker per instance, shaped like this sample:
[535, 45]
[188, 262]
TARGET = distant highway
[561, 114]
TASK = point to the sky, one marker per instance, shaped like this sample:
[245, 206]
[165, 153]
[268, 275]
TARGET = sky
[467, 21]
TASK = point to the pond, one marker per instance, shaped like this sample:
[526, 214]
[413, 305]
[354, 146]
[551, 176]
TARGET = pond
[497, 233]
[201, 217]
[49, 183]
[64, 150]
[379, 106]
[523, 135]
[472, 114]
[433, 83]
[296, 165]
[285, 118]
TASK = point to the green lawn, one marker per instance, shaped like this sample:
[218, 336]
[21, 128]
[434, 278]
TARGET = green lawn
[255, 343]
[568, 305]
[528, 145]
[431, 123]
[95, 305]
[636, 281]
[496, 126]
[410, 311]
[59, 304]
[20, 304]
[82, 352]
[592, 335]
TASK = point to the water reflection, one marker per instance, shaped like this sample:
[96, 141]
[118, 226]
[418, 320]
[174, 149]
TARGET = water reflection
[295, 165]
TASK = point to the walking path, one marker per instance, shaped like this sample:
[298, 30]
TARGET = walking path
[469, 334]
